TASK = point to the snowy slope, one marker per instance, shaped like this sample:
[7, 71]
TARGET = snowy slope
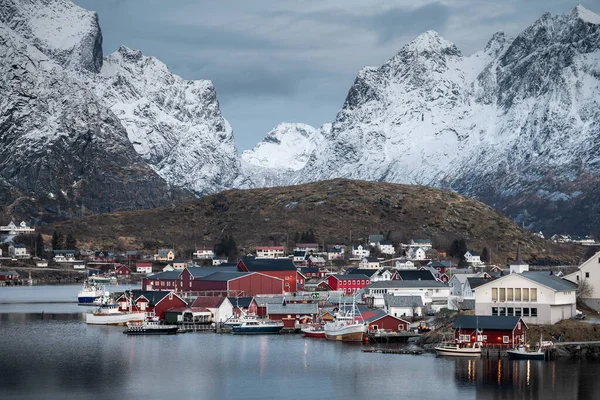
[174, 124]
[516, 124]
[61, 150]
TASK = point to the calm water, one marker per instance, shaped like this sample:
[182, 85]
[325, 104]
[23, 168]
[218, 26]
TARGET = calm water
[56, 355]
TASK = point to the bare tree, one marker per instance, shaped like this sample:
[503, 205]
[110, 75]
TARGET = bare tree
[584, 290]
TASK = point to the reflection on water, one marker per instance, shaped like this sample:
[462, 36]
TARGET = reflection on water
[527, 379]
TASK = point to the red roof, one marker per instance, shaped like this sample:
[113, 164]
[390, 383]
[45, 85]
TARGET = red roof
[208, 301]
[143, 264]
[192, 309]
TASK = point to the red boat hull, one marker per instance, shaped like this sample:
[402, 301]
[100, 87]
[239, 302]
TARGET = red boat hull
[314, 333]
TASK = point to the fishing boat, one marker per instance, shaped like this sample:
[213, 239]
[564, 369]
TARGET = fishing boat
[89, 292]
[459, 349]
[150, 326]
[258, 327]
[110, 314]
[348, 326]
[314, 331]
[523, 353]
[237, 321]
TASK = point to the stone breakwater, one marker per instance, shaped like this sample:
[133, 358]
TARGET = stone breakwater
[577, 350]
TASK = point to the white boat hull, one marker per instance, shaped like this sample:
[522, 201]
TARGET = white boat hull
[345, 333]
[458, 352]
[113, 319]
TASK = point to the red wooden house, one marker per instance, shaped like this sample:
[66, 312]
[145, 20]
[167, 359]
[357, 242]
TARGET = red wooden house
[9, 275]
[150, 301]
[122, 270]
[380, 320]
[281, 268]
[292, 313]
[491, 331]
[244, 283]
[348, 283]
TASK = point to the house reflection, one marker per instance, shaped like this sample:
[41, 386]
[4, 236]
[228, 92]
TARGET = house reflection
[528, 379]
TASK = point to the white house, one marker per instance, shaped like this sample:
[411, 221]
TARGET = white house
[369, 263]
[220, 307]
[360, 251]
[309, 247]
[143, 269]
[404, 263]
[13, 229]
[424, 243]
[457, 283]
[203, 254]
[473, 257]
[269, 251]
[41, 263]
[17, 250]
[219, 260]
[588, 274]
[387, 247]
[335, 253]
[168, 267]
[404, 306]
[164, 255]
[434, 294]
[537, 297]
[416, 253]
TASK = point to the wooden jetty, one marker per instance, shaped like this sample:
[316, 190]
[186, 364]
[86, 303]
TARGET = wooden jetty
[395, 351]
[391, 337]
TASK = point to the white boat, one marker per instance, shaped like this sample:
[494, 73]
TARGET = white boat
[347, 326]
[150, 326]
[237, 321]
[459, 349]
[110, 315]
[523, 353]
[89, 293]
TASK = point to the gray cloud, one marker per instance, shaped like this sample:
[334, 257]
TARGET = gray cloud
[273, 61]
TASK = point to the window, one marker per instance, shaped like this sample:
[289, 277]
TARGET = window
[354, 281]
[587, 274]
[495, 311]
[503, 311]
[400, 327]
[287, 278]
[484, 337]
[526, 312]
[525, 294]
[517, 312]
[509, 294]
[494, 294]
[509, 311]
[519, 325]
[533, 294]
[517, 294]
[502, 294]
[505, 339]
[534, 312]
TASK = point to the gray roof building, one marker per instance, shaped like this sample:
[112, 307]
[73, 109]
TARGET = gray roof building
[403, 301]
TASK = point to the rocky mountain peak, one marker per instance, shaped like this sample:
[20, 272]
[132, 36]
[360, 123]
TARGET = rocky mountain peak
[432, 42]
[586, 15]
[61, 30]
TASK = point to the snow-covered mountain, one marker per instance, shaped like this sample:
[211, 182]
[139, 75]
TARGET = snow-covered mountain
[515, 125]
[174, 124]
[61, 149]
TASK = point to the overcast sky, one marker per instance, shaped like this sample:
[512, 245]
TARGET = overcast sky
[275, 61]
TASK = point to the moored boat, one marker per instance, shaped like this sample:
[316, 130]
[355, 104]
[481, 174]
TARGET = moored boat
[459, 350]
[346, 327]
[523, 353]
[102, 279]
[314, 331]
[150, 326]
[237, 321]
[89, 292]
[258, 327]
[109, 314]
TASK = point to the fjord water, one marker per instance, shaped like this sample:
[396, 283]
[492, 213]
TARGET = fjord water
[56, 355]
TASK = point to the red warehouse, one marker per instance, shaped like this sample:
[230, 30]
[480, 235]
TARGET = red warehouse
[283, 269]
[491, 331]
[244, 283]
[348, 283]
[122, 270]
[380, 320]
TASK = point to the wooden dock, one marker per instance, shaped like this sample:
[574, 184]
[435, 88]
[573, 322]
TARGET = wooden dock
[395, 351]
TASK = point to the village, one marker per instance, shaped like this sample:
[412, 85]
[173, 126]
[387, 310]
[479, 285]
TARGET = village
[399, 292]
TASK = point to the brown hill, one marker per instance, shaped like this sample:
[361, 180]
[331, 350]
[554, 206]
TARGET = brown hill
[337, 211]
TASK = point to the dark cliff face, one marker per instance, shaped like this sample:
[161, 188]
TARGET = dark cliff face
[61, 151]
